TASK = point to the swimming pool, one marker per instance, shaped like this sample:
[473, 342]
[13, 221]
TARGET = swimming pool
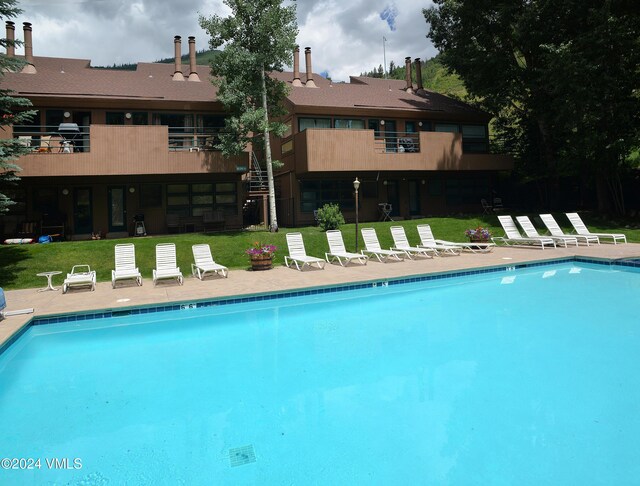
[521, 377]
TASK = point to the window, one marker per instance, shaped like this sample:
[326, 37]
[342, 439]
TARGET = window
[45, 200]
[447, 127]
[474, 138]
[315, 194]
[140, 118]
[465, 191]
[287, 146]
[304, 123]
[115, 117]
[410, 127]
[289, 129]
[150, 195]
[375, 126]
[180, 128]
[195, 199]
[348, 123]
[53, 118]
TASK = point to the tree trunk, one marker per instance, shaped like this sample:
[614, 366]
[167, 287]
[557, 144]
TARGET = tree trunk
[273, 224]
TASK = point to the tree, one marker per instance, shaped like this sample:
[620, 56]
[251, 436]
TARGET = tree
[259, 38]
[562, 78]
[11, 113]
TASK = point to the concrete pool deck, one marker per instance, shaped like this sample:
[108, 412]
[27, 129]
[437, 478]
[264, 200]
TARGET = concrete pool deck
[241, 282]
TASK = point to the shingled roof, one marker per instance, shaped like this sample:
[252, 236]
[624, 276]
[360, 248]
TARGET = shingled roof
[75, 78]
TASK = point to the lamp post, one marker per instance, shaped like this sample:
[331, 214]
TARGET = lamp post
[356, 186]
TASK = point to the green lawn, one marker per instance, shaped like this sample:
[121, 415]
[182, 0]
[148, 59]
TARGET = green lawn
[21, 263]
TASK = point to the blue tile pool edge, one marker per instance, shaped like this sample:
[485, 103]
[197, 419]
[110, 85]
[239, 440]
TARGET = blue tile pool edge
[265, 296]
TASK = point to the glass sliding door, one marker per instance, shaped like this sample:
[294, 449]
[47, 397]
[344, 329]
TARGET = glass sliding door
[117, 209]
[82, 211]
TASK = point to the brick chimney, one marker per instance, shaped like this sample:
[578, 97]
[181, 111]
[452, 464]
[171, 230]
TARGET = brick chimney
[419, 88]
[193, 72]
[11, 36]
[307, 57]
[177, 75]
[296, 68]
[407, 74]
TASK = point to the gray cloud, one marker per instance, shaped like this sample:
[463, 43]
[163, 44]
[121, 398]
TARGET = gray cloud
[346, 37]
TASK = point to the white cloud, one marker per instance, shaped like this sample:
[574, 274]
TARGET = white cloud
[345, 37]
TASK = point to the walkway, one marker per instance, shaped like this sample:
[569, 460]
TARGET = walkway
[278, 279]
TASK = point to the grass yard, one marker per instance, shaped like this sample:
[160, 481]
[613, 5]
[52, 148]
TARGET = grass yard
[21, 263]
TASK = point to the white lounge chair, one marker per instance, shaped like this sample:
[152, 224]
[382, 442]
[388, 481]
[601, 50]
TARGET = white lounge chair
[401, 243]
[582, 229]
[298, 255]
[338, 252]
[204, 262]
[476, 247]
[166, 263]
[3, 305]
[372, 247]
[427, 240]
[80, 276]
[554, 228]
[125, 264]
[532, 232]
[513, 236]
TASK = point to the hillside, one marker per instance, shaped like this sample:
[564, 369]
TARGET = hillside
[435, 77]
[202, 58]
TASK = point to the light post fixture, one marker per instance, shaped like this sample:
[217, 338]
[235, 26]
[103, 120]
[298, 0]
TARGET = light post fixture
[356, 186]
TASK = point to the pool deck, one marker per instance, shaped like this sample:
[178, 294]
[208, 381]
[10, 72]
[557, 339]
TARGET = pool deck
[242, 282]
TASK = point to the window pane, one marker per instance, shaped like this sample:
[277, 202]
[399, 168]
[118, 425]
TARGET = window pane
[304, 123]
[140, 118]
[474, 131]
[226, 187]
[348, 123]
[150, 195]
[115, 118]
[202, 187]
[287, 147]
[202, 199]
[177, 188]
[225, 199]
[446, 127]
[410, 127]
[178, 200]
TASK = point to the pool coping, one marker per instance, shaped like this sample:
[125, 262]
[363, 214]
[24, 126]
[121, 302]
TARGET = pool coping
[111, 312]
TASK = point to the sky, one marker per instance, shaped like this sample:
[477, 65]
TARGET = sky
[346, 37]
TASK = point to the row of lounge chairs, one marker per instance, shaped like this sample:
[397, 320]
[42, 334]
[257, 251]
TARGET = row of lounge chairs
[166, 266]
[428, 247]
[556, 237]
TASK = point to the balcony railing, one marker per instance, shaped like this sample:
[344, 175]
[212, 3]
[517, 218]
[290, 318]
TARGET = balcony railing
[63, 138]
[397, 142]
[193, 139]
[71, 138]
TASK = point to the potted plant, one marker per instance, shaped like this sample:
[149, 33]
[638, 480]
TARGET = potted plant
[261, 256]
[478, 235]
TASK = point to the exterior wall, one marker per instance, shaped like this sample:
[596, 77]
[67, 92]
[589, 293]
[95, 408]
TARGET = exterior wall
[322, 150]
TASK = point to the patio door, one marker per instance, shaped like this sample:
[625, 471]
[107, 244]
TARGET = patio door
[117, 209]
[393, 197]
[414, 197]
[82, 211]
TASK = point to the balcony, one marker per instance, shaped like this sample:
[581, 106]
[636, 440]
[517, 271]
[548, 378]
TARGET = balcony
[325, 150]
[122, 150]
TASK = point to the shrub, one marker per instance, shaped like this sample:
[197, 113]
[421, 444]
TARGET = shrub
[330, 217]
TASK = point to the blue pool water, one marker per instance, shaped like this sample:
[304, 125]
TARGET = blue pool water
[526, 377]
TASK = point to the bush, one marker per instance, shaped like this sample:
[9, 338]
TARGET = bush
[330, 217]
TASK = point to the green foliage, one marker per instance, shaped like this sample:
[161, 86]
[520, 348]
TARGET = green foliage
[566, 99]
[12, 112]
[330, 217]
[259, 38]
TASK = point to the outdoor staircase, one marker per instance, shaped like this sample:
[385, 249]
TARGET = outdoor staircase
[257, 180]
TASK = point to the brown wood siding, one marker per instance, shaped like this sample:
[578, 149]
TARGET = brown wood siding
[129, 150]
[319, 150]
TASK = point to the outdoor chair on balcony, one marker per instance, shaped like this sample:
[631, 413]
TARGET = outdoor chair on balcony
[372, 247]
[486, 207]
